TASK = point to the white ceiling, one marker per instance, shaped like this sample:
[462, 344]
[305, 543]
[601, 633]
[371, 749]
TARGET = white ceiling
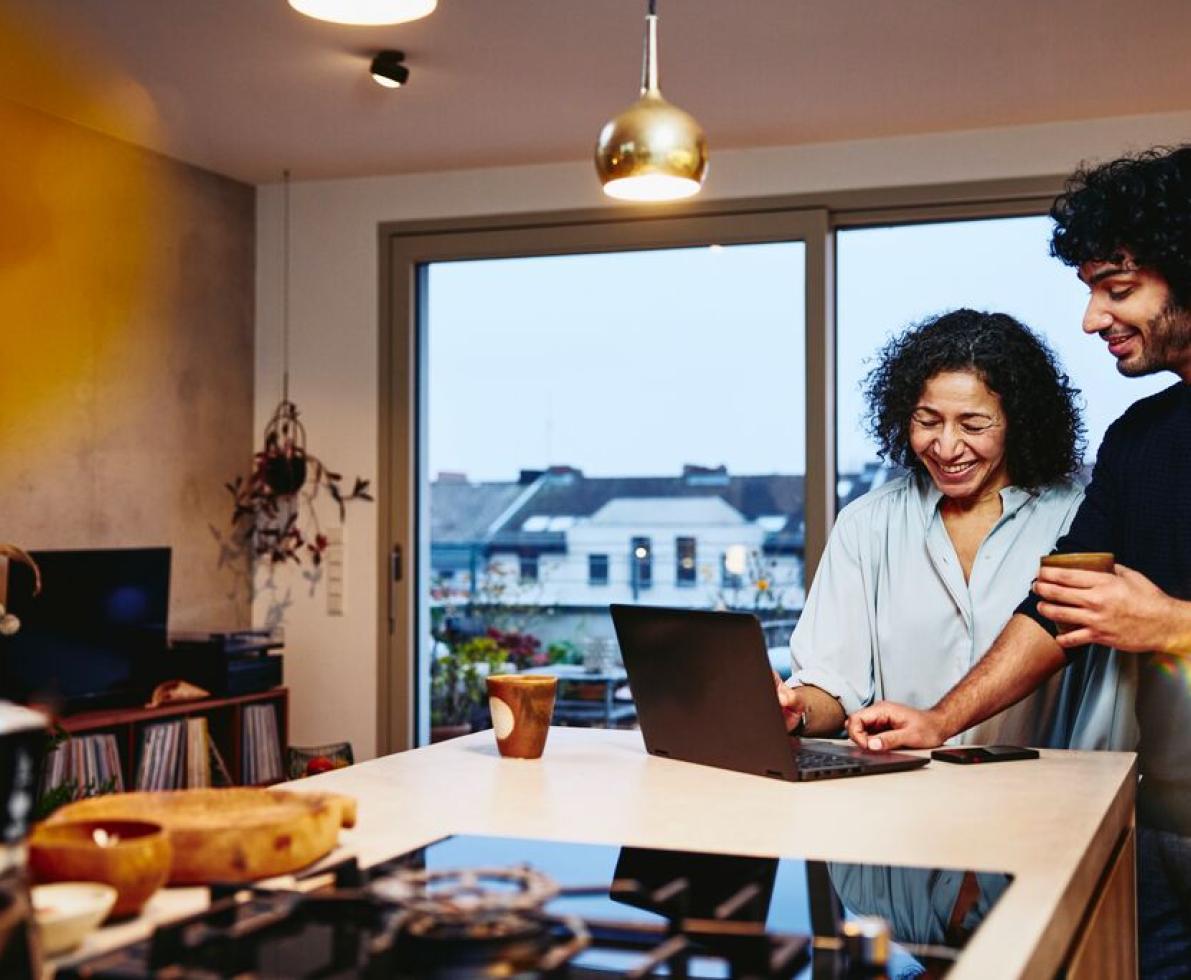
[249, 87]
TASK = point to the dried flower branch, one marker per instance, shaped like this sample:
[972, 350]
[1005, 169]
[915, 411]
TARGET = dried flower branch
[9, 624]
[13, 553]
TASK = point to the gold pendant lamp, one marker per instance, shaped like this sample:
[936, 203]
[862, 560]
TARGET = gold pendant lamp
[652, 151]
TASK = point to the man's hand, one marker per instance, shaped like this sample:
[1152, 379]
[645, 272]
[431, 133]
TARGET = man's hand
[792, 702]
[888, 725]
[1123, 609]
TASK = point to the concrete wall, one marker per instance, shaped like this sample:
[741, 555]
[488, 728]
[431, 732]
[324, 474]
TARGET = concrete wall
[126, 332]
[332, 660]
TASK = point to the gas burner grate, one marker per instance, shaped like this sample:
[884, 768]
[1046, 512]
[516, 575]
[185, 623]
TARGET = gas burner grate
[465, 894]
[477, 907]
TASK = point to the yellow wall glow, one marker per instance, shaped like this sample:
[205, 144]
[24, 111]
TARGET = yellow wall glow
[126, 354]
[77, 263]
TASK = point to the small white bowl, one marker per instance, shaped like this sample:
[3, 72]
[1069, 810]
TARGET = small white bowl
[68, 910]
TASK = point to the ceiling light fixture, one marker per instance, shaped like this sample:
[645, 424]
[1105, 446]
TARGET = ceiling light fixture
[652, 151]
[387, 69]
[365, 11]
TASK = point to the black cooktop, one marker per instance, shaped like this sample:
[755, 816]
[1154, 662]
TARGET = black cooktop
[469, 906]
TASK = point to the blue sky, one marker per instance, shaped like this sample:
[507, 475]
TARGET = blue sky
[619, 364]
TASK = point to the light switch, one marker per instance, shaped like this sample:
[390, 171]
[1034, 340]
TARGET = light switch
[333, 571]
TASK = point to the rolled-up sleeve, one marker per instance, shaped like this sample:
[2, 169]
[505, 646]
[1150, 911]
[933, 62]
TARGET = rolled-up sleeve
[832, 645]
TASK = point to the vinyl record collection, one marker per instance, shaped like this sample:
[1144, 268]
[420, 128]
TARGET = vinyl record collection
[91, 762]
[179, 754]
[261, 749]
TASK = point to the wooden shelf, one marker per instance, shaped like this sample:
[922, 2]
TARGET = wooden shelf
[224, 723]
[90, 721]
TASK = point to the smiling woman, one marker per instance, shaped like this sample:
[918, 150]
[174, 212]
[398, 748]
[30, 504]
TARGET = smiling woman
[975, 406]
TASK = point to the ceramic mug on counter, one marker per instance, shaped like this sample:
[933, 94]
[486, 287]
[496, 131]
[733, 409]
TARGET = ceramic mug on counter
[522, 706]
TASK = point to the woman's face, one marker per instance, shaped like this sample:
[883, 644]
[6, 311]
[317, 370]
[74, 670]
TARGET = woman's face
[957, 430]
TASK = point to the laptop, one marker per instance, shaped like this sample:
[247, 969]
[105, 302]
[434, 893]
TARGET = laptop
[704, 693]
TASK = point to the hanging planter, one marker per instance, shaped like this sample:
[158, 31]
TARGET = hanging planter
[284, 456]
[273, 511]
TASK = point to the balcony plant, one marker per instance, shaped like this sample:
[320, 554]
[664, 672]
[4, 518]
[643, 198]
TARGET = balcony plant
[458, 690]
[523, 650]
[759, 588]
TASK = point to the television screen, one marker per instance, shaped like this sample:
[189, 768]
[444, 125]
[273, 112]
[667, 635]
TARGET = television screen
[90, 638]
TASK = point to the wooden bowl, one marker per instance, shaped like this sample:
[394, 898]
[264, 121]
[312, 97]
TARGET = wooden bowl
[235, 834]
[132, 856]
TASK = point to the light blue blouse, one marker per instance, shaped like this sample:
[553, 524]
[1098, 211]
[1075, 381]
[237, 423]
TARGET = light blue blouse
[889, 615]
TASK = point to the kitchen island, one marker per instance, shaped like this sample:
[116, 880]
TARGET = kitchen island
[1061, 825]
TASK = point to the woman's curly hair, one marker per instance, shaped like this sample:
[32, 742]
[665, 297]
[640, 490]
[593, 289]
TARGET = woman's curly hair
[1044, 434]
[1139, 203]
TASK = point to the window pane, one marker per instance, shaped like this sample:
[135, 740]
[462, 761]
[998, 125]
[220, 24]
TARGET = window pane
[597, 569]
[640, 565]
[597, 420]
[684, 571]
[891, 277]
[529, 568]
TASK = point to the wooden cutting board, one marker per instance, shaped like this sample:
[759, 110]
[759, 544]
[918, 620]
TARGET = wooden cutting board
[233, 834]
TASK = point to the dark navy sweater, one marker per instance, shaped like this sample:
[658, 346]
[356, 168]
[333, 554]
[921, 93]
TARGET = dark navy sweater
[1138, 506]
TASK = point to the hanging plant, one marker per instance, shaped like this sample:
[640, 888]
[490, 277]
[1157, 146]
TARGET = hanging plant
[273, 511]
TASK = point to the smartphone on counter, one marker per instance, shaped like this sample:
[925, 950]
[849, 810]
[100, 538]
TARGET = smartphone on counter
[973, 754]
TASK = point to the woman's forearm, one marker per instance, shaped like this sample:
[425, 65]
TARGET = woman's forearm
[824, 714]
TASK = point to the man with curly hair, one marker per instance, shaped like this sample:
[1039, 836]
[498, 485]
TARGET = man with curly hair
[1126, 227]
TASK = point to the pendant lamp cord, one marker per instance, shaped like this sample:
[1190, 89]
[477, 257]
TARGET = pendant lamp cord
[285, 297]
[653, 8]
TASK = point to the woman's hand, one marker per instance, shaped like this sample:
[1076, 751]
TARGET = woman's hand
[792, 701]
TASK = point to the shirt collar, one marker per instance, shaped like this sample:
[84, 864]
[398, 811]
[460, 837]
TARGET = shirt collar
[1013, 498]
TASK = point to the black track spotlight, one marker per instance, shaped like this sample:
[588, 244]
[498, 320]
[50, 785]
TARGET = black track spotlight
[387, 69]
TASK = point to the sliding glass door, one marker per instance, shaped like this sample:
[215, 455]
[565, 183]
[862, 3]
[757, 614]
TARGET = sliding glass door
[607, 425]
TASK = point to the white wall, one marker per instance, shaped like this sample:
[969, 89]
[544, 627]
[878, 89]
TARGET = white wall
[331, 661]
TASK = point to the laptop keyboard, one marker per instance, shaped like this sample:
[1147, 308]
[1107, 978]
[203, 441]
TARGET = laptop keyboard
[823, 765]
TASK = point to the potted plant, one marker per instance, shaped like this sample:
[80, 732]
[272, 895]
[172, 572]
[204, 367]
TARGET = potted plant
[457, 683]
[523, 650]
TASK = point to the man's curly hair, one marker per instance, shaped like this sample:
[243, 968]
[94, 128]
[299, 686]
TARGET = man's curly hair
[1140, 204]
[1044, 434]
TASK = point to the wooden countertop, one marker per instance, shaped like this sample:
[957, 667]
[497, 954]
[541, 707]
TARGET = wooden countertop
[1052, 823]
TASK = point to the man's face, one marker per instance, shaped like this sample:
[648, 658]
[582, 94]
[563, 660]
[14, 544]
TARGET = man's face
[1133, 311]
